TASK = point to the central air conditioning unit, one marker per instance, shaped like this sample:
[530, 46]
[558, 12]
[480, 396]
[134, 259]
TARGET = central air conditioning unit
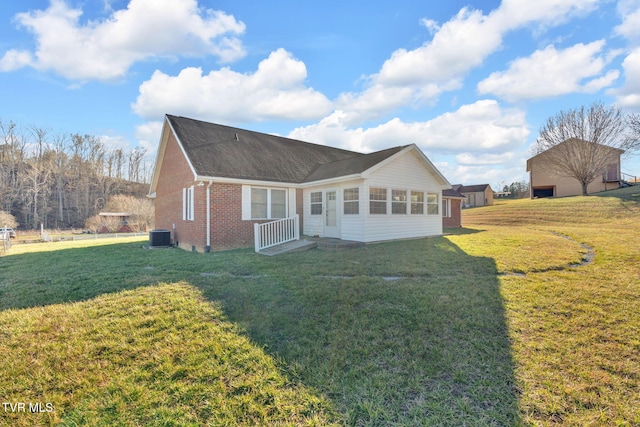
[159, 238]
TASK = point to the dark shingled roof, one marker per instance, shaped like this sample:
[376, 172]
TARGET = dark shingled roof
[472, 188]
[452, 193]
[350, 166]
[222, 151]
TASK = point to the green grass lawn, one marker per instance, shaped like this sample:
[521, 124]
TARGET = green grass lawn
[491, 325]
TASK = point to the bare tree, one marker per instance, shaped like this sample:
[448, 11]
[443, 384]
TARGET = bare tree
[582, 143]
[61, 179]
[6, 219]
[140, 210]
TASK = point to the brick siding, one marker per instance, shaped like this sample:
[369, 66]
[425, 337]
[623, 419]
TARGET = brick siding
[455, 220]
[176, 175]
[228, 230]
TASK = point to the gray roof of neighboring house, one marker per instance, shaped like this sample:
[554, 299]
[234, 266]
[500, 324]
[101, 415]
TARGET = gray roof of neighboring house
[222, 151]
[452, 193]
[471, 188]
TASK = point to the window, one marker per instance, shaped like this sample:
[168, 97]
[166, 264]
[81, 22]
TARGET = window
[398, 202]
[259, 203]
[316, 203]
[377, 200]
[278, 204]
[417, 202]
[446, 208]
[432, 203]
[187, 203]
[351, 201]
[267, 203]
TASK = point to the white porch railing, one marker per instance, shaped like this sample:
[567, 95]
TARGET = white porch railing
[276, 232]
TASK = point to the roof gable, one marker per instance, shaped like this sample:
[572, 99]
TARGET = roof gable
[614, 150]
[472, 188]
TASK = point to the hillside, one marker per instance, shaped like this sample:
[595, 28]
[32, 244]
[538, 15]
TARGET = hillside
[571, 287]
[609, 207]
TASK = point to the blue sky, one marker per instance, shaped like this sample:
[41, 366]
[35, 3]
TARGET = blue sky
[469, 82]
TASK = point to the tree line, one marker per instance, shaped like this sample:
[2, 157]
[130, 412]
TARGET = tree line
[517, 190]
[59, 180]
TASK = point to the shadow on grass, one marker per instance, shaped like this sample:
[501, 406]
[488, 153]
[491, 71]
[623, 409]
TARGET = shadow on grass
[429, 347]
[461, 231]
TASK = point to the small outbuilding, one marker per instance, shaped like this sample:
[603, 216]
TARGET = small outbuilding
[114, 221]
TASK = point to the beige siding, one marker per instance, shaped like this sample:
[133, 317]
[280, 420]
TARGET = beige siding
[564, 186]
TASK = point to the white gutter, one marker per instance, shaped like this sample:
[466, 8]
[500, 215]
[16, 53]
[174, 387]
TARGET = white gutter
[208, 247]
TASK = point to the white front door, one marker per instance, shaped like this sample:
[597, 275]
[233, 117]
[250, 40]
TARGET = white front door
[331, 222]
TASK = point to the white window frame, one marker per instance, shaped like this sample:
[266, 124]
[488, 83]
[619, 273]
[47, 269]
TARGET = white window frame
[400, 205]
[188, 203]
[435, 204]
[379, 201]
[347, 200]
[446, 208]
[315, 203]
[416, 203]
[269, 213]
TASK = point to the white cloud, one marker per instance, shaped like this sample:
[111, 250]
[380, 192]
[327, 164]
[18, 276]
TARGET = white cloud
[479, 127]
[457, 46]
[541, 14]
[15, 59]
[275, 91]
[106, 49]
[421, 75]
[114, 142]
[148, 136]
[551, 72]
[431, 25]
[481, 159]
[496, 177]
[628, 96]
[630, 12]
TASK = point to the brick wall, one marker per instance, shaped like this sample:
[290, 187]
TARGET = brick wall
[175, 175]
[228, 230]
[299, 208]
[455, 220]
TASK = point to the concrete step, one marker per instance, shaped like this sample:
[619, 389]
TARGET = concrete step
[294, 246]
[337, 244]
